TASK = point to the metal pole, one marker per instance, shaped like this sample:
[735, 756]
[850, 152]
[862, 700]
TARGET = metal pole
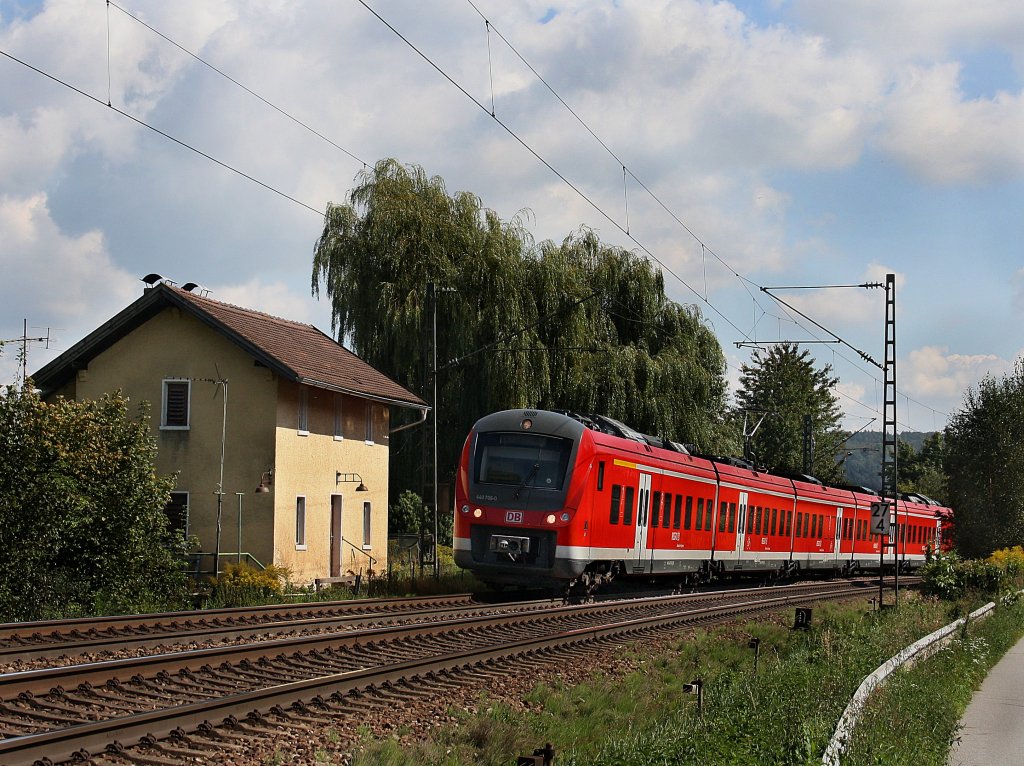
[239, 526]
[433, 295]
[220, 483]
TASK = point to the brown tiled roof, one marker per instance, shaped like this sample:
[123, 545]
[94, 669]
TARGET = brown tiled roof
[314, 357]
[296, 351]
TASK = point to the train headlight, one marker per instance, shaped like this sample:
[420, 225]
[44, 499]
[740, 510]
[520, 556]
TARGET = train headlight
[478, 513]
[465, 509]
[551, 518]
[565, 517]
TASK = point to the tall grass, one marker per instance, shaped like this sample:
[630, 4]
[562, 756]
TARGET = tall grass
[784, 714]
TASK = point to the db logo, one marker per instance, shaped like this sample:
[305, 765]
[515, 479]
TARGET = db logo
[513, 517]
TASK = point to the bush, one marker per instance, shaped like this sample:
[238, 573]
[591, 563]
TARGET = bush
[245, 585]
[949, 577]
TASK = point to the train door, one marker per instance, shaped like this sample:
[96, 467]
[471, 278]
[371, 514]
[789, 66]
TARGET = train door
[837, 542]
[641, 558]
[741, 525]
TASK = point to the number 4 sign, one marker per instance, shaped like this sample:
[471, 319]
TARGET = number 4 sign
[880, 519]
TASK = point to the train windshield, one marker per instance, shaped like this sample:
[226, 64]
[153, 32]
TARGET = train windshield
[522, 460]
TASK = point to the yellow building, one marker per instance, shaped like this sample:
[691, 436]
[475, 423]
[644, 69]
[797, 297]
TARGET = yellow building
[270, 426]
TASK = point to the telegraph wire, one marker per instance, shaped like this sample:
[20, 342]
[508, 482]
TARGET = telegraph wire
[625, 170]
[226, 76]
[704, 248]
[159, 132]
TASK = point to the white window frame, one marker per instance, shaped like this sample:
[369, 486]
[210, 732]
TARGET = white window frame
[339, 422]
[367, 525]
[303, 414]
[188, 404]
[300, 522]
[369, 423]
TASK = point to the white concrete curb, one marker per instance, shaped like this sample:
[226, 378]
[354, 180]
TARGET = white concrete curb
[918, 650]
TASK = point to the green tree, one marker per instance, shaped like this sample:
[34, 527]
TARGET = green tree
[577, 325]
[82, 525]
[922, 471]
[984, 463]
[783, 384]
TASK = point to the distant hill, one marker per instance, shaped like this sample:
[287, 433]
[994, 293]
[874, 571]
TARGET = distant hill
[863, 466]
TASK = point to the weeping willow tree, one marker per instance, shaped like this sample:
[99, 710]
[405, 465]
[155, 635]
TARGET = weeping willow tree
[577, 325]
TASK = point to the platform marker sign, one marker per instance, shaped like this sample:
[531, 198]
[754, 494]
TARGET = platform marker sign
[880, 519]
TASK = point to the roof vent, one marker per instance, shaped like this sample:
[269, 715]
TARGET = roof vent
[191, 287]
[154, 279]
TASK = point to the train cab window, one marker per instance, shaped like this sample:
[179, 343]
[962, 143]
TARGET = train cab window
[709, 509]
[655, 510]
[627, 511]
[600, 475]
[522, 459]
[688, 516]
[678, 511]
[613, 518]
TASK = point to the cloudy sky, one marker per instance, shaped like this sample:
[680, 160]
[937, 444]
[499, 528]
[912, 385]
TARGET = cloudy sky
[784, 142]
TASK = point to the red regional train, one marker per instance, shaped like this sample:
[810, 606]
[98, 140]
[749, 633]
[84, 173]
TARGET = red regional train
[547, 498]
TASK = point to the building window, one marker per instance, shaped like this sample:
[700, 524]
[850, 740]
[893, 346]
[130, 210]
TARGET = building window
[177, 512]
[339, 423]
[303, 411]
[174, 414]
[366, 525]
[369, 423]
[300, 523]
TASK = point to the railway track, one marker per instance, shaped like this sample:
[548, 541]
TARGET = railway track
[55, 638]
[182, 705]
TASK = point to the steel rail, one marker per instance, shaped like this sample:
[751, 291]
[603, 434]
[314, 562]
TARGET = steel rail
[87, 739]
[43, 630]
[97, 673]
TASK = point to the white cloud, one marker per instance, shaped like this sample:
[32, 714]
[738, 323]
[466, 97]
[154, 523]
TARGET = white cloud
[932, 372]
[946, 138]
[68, 283]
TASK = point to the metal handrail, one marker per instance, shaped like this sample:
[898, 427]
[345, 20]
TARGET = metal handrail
[360, 550]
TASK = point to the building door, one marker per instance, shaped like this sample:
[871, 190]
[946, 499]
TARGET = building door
[335, 535]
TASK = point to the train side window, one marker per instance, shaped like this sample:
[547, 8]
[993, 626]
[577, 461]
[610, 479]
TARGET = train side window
[627, 511]
[678, 513]
[723, 515]
[807, 525]
[667, 512]
[732, 518]
[709, 509]
[655, 508]
[775, 517]
[821, 525]
[600, 475]
[799, 522]
[688, 516]
[616, 502]
[789, 522]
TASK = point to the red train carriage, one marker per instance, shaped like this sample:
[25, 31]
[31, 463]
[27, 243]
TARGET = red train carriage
[548, 497]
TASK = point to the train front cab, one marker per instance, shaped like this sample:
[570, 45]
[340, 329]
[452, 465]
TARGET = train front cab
[518, 499]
